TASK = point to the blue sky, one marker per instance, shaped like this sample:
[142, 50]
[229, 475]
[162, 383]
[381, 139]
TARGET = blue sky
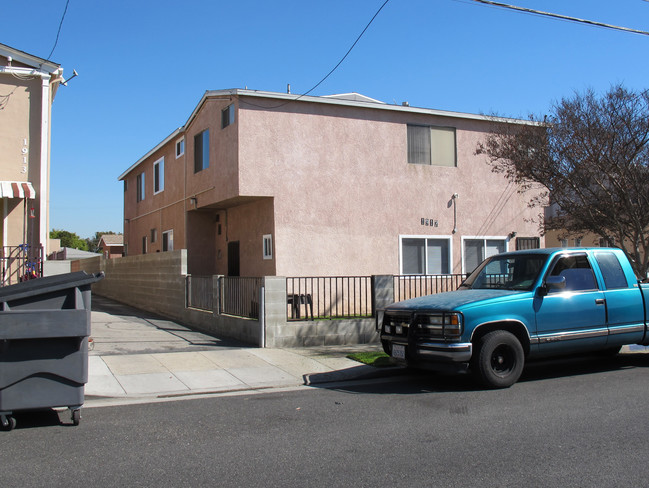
[143, 66]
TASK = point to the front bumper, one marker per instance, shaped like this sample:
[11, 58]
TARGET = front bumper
[425, 351]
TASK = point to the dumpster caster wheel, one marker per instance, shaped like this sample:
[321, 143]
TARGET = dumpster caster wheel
[8, 423]
[76, 416]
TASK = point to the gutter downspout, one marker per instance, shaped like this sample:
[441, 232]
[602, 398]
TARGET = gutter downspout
[43, 211]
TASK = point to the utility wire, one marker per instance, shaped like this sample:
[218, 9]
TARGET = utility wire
[562, 17]
[333, 69]
[59, 31]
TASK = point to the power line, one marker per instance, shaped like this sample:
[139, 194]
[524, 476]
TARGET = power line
[333, 69]
[59, 31]
[562, 17]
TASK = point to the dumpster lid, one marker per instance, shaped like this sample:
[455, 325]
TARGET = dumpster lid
[47, 284]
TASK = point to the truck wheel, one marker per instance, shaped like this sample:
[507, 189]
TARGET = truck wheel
[499, 360]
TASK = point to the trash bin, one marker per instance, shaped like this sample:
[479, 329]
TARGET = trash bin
[44, 330]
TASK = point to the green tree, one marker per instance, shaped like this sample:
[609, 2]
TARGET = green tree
[591, 153]
[69, 239]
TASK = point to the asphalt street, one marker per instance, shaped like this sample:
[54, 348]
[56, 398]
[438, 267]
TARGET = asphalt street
[566, 423]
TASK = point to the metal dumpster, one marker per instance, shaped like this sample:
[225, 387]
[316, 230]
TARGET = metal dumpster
[44, 330]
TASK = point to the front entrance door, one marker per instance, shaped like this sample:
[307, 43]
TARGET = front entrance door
[233, 258]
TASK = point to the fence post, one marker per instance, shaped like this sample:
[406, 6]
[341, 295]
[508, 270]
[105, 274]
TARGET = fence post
[382, 295]
[216, 293]
[262, 317]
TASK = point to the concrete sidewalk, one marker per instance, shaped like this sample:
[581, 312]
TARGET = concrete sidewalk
[134, 354]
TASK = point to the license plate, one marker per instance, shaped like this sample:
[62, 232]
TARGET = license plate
[398, 351]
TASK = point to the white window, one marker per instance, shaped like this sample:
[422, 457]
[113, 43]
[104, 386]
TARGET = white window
[425, 255]
[431, 145]
[268, 246]
[477, 250]
[168, 240]
[159, 176]
[180, 147]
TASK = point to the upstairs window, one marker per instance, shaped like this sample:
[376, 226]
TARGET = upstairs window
[159, 176]
[140, 186]
[227, 116]
[431, 145]
[201, 151]
[180, 147]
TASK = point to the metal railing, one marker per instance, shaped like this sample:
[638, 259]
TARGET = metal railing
[200, 290]
[240, 296]
[413, 286]
[328, 297]
[20, 263]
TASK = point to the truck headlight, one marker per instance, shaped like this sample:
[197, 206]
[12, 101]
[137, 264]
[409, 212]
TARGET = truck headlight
[445, 325]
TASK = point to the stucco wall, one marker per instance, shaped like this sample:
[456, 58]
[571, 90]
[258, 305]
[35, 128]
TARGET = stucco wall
[20, 146]
[344, 191]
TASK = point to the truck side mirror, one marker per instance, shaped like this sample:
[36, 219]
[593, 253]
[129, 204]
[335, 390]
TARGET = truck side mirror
[557, 282]
[552, 282]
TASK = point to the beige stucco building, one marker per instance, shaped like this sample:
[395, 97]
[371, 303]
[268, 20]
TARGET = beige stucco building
[263, 184]
[28, 85]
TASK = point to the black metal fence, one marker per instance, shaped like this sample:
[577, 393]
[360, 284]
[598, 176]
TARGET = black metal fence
[310, 298]
[200, 292]
[413, 286]
[235, 295]
[240, 296]
[20, 263]
[328, 297]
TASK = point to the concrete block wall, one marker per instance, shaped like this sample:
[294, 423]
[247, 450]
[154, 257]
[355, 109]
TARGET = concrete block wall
[156, 283]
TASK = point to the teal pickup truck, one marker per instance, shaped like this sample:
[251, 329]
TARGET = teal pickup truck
[521, 305]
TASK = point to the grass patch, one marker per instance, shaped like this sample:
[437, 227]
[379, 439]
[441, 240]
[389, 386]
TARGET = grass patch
[374, 358]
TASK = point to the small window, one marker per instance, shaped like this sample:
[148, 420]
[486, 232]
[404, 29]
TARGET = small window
[604, 242]
[144, 245]
[431, 145]
[159, 176]
[168, 240]
[227, 116]
[268, 246]
[201, 151]
[523, 243]
[141, 186]
[154, 235]
[180, 147]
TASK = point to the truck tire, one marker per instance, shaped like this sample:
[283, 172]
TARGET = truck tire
[499, 360]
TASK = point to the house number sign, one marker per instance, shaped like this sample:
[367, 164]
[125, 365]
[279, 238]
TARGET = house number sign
[24, 162]
[429, 222]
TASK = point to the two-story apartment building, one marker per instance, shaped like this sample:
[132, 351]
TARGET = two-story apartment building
[28, 85]
[262, 184]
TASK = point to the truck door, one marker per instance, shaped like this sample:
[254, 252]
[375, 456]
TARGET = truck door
[624, 304]
[572, 318]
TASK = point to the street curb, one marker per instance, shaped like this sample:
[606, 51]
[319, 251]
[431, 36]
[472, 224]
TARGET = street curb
[362, 372]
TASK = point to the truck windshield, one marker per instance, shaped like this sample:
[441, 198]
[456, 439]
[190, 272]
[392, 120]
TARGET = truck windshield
[506, 272]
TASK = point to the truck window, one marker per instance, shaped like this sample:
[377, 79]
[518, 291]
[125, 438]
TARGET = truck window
[614, 276]
[577, 271]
